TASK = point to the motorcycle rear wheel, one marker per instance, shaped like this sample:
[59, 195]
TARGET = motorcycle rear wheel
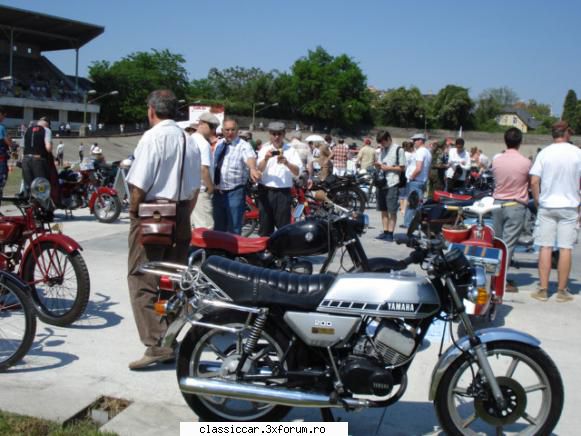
[107, 208]
[352, 198]
[17, 323]
[528, 378]
[219, 350]
[60, 283]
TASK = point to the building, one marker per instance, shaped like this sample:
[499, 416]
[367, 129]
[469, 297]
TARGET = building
[31, 86]
[518, 118]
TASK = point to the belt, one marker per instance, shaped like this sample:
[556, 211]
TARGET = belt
[225, 191]
[34, 156]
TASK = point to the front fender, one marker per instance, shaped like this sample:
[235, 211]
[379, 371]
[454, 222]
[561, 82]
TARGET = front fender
[58, 239]
[100, 191]
[486, 336]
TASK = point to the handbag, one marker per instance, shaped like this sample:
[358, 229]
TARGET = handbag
[379, 180]
[157, 219]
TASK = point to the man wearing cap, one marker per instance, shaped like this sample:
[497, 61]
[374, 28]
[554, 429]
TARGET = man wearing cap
[37, 151]
[366, 155]
[421, 161]
[166, 168]
[555, 179]
[235, 162]
[279, 163]
[202, 215]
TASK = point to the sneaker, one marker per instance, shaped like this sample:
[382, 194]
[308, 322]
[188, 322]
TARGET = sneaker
[382, 236]
[563, 295]
[541, 295]
[388, 237]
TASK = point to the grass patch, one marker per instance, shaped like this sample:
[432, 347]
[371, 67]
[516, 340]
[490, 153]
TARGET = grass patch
[11, 424]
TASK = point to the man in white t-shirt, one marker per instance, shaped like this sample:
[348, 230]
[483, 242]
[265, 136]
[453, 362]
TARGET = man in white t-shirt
[421, 160]
[458, 166]
[202, 215]
[555, 179]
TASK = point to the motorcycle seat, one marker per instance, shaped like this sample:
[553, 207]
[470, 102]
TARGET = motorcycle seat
[252, 285]
[235, 244]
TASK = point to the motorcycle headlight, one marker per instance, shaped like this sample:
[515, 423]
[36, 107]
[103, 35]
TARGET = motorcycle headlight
[478, 291]
[40, 189]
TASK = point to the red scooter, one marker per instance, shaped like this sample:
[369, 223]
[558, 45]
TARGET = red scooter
[487, 253]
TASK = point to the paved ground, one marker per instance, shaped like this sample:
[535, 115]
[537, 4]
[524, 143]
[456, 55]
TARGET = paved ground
[68, 368]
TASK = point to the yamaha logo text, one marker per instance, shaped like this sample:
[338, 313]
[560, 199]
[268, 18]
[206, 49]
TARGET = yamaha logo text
[401, 307]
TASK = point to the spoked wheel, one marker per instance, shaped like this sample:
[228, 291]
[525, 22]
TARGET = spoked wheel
[528, 379]
[107, 208]
[60, 283]
[350, 198]
[17, 323]
[215, 354]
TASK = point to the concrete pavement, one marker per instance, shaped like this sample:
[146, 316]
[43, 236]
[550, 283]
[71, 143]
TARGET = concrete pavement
[68, 368]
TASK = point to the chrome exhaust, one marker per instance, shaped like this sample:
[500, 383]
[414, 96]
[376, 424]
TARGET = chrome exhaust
[263, 394]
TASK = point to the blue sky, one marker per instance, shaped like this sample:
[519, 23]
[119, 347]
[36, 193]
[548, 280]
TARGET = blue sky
[533, 47]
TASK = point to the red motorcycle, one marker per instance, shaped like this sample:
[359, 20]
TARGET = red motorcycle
[487, 254]
[84, 189]
[44, 258]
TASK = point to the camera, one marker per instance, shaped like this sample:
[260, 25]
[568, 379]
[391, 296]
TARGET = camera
[275, 152]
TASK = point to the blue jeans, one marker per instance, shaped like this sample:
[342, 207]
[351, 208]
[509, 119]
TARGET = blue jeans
[413, 186]
[229, 209]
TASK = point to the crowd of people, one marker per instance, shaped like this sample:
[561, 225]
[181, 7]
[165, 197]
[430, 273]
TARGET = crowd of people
[204, 169]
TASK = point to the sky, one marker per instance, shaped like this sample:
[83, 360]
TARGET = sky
[533, 46]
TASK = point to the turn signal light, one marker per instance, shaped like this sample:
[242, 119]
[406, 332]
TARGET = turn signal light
[160, 307]
[482, 297]
[165, 284]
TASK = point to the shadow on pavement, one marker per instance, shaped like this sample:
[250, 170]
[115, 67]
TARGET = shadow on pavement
[97, 315]
[40, 357]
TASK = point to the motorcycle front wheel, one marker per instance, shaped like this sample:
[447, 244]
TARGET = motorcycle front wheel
[211, 353]
[60, 283]
[17, 324]
[107, 208]
[528, 379]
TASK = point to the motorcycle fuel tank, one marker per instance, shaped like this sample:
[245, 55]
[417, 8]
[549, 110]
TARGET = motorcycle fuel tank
[384, 295]
[302, 238]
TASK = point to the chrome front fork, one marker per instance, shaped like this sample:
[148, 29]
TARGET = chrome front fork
[478, 347]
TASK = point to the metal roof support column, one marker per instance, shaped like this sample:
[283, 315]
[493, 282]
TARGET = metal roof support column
[11, 51]
[77, 69]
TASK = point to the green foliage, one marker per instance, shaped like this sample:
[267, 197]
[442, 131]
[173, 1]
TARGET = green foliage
[135, 76]
[570, 107]
[452, 108]
[503, 96]
[402, 107]
[11, 424]
[490, 104]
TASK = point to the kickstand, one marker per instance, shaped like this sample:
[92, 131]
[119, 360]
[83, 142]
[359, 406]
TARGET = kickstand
[327, 415]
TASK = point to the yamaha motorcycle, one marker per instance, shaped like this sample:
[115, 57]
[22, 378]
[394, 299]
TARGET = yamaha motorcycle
[261, 341]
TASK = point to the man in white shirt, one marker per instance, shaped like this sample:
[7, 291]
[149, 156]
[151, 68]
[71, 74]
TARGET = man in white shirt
[166, 167]
[555, 179]
[279, 164]
[60, 153]
[202, 216]
[458, 166]
[421, 160]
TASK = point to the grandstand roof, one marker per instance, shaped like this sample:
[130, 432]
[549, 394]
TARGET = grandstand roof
[45, 31]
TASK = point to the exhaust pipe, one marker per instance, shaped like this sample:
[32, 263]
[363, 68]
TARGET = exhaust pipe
[263, 394]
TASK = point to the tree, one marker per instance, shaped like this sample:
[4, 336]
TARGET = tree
[327, 89]
[452, 108]
[135, 76]
[402, 107]
[490, 104]
[504, 96]
[570, 107]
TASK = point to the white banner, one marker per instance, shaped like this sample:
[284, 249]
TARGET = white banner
[264, 428]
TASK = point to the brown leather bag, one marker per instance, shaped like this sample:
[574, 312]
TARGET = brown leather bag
[157, 219]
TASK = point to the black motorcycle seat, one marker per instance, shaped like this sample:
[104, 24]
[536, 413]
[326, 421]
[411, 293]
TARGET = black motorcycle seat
[252, 285]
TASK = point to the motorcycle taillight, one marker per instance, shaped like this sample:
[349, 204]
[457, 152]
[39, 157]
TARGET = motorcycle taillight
[165, 284]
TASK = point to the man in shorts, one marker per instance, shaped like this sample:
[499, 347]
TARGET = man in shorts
[555, 179]
[391, 161]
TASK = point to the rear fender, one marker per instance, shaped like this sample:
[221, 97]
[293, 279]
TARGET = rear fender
[100, 191]
[65, 242]
[486, 336]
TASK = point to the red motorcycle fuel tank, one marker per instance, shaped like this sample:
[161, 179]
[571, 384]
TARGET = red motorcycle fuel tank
[302, 238]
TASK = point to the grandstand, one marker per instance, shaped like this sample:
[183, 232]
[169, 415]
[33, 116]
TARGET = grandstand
[30, 84]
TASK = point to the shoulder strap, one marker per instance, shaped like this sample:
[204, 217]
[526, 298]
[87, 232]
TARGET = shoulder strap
[181, 179]
[397, 156]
